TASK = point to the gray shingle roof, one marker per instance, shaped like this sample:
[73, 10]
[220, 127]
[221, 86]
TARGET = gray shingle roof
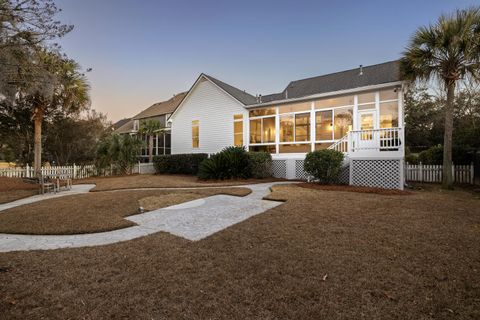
[163, 107]
[372, 75]
[238, 94]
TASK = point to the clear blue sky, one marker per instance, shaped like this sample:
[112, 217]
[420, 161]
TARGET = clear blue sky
[143, 52]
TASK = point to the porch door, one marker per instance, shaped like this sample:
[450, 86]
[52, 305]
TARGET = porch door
[367, 125]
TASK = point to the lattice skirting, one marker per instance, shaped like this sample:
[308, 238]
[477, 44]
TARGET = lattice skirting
[300, 173]
[344, 177]
[279, 168]
[380, 173]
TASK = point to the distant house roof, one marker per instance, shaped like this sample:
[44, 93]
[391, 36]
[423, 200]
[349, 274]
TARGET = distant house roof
[120, 123]
[238, 94]
[126, 127]
[160, 108]
[371, 75]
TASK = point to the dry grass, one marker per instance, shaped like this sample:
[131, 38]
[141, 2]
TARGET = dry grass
[347, 188]
[95, 212]
[14, 188]
[320, 255]
[161, 181]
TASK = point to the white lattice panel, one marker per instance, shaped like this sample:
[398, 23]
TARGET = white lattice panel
[299, 171]
[279, 168]
[378, 173]
[344, 176]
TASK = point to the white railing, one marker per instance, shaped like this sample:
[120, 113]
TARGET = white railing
[340, 145]
[434, 173]
[376, 140]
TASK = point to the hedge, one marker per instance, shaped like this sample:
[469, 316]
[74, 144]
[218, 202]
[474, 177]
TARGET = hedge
[187, 163]
[324, 165]
[260, 164]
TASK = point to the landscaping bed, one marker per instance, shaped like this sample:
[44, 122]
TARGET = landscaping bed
[320, 255]
[348, 188]
[12, 189]
[95, 212]
[162, 181]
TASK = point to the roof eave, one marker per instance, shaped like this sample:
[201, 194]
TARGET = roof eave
[327, 94]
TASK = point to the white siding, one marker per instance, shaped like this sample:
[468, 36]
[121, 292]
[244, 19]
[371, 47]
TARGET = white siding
[214, 109]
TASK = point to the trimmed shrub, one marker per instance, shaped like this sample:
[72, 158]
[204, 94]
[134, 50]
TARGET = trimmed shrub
[260, 164]
[179, 163]
[434, 155]
[324, 165]
[230, 163]
[411, 158]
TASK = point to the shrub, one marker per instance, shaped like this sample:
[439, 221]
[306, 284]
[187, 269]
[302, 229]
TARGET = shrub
[434, 155]
[260, 164]
[179, 163]
[324, 165]
[230, 163]
[411, 158]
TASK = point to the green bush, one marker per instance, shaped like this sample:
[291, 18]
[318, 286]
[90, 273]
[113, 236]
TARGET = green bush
[260, 164]
[324, 165]
[434, 155]
[411, 158]
[230, 163]
[179, 163]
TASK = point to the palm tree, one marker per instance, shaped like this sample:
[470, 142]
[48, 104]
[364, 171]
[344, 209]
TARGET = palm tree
[448, 52]
[66, 89]
[150, 128]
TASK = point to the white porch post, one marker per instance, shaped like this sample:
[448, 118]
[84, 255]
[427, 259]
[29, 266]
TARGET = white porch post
[246, 130]
[355, 113]
[377, 110]
[277, 131]
[312, 126]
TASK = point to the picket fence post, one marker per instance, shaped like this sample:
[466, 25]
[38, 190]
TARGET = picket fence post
[472, 174]
[74, 171]
[420, 172]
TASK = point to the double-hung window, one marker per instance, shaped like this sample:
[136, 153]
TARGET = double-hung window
[238, 130]
[195, 134]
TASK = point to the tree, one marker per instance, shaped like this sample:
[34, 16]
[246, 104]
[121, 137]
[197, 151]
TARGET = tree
[150, 128]
[447, 52]
[119, 151]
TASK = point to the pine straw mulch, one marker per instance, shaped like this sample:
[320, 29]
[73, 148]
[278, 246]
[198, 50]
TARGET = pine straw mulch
[347, 188]
[162, 181]
[15, 188]
[319, 255]
[95, 212]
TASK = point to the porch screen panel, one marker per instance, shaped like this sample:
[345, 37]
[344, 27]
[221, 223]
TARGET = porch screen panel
[302, 127]
[323, 120]
[256, 131]
[268, 130]
[389, 114]
[343, 122]
[286, 128]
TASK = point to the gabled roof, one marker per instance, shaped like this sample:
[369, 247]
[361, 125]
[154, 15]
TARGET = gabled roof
[161, 108]
[238, 94]
[371, 75]
[120, 123]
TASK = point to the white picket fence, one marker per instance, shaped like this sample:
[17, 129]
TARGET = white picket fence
[76, 172]
[434, 173]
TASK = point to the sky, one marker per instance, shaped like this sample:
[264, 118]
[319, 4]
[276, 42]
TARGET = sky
[144, 51]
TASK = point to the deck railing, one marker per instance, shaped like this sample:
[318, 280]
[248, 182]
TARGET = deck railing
[369, 142]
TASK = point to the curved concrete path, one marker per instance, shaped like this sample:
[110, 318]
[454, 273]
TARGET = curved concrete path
[193, 220]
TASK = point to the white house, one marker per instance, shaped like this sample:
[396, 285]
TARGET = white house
[358, 112]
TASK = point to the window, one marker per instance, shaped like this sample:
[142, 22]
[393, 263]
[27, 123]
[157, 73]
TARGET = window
[302, 127]
[343, 122]
[195, 134]
[238, 130]
[262, 112]
[368, 97]
[390, 94]
[262, 130]
[295, 148]
[389, 114]
[324, 125]
[268, 148]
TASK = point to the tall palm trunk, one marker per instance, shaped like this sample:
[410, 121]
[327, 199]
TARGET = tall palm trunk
[447, 182]
[37, 148]
[150, 149]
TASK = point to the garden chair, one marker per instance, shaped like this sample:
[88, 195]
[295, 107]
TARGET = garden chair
[46, 185]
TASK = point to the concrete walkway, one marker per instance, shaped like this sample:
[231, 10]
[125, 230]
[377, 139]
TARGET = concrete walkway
[193, 220]
[76, 189]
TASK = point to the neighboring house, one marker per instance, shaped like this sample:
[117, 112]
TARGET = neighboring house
[358, 112]
[159, 111]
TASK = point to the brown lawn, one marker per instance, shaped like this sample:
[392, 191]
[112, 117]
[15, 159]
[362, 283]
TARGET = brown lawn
[95, 212]
[320, 255]
[14, 188]
[161, 181]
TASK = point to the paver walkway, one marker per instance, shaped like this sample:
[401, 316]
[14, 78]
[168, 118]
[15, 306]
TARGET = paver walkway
[193, 220]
